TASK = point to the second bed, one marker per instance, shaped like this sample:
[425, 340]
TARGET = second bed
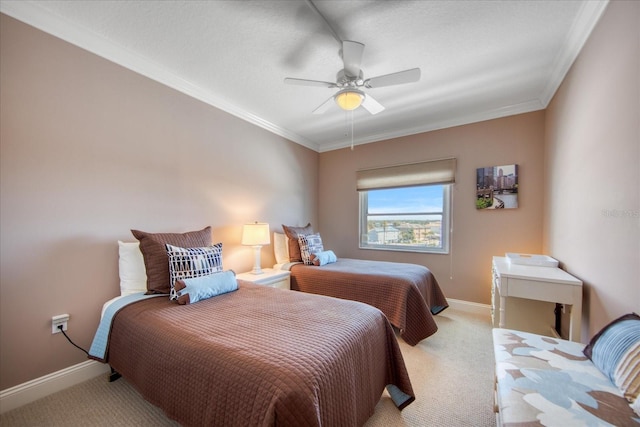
[408, 294]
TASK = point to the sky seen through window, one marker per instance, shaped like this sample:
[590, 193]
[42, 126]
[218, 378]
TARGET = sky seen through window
[406, 200]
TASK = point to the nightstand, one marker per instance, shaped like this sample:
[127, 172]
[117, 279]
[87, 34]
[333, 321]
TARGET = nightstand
[270, 277]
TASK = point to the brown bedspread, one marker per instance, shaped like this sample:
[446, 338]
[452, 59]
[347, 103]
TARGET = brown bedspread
[408, 294]
[260, 356]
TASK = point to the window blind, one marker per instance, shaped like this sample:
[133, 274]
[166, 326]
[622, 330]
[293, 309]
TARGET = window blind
[423, 173]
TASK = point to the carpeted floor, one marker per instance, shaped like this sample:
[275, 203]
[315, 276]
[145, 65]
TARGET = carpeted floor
[451, 373]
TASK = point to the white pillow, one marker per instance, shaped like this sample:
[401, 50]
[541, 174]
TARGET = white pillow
[281, 248]
[133, 275]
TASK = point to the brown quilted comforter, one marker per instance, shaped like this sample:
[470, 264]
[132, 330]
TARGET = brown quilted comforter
[260, 356]
[408, 294]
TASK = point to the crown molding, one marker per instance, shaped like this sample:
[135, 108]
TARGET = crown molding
[589, 15]
[496, 113]
[36, 16]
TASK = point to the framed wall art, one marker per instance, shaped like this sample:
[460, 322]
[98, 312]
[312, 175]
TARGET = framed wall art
[497, 187]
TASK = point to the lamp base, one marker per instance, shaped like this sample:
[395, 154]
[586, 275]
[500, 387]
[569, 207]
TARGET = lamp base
[256, 263]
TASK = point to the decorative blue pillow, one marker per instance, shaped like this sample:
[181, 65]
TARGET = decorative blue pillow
[189, 291]
[323, 258]
[615, 351]
[187, 263]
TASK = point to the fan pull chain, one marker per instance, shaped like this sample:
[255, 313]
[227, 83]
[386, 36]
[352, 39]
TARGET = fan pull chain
[351, 130]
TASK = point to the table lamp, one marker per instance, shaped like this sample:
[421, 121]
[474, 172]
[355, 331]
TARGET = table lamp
[256, 235]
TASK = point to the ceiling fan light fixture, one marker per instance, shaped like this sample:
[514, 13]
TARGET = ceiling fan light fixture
[349, 99]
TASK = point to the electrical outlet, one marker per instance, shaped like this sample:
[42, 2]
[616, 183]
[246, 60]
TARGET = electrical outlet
[60, 319]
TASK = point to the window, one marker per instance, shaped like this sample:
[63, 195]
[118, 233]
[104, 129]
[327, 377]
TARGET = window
[406, 218]
[406, 207]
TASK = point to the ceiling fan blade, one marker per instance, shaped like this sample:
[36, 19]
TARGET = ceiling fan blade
[371, 105]
[304, 82]
[324, 106]
[352, 57]
[406, 76]
[333, 31]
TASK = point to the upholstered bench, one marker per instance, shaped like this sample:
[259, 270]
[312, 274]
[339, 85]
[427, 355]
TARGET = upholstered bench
[553, 382]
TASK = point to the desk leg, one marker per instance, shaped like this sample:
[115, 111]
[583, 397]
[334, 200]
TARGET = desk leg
[575, 322]
[503, 312]
[571, 321]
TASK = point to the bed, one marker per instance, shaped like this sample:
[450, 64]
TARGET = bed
[257, 356]
[408, 294]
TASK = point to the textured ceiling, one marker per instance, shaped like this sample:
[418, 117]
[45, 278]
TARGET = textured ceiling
[479, 59]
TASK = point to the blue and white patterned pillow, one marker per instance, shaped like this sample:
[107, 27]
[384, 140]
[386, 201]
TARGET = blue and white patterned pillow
[615, 351]
[309, 245]
[187, 263]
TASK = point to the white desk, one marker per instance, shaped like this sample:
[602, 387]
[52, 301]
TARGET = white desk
[535, 283]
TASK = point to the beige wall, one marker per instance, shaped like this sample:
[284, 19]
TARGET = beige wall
[465, 273]
[90, 150]
[592, 186]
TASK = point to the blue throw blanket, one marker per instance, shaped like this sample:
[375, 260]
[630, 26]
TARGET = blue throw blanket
[98, 348]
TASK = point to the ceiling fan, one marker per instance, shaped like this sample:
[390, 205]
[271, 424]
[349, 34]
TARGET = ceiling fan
[350, 79]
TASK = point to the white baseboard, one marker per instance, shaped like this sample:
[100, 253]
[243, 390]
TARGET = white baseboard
[469, 307]
[22, 394]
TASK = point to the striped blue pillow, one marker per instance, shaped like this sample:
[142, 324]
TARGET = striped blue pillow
[615, 350]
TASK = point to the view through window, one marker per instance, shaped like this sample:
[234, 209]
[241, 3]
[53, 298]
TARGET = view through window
[406, 218]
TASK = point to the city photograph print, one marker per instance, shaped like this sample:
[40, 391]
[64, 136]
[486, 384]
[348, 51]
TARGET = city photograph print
[497, 187]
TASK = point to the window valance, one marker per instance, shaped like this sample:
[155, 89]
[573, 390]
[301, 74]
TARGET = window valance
[423, 173]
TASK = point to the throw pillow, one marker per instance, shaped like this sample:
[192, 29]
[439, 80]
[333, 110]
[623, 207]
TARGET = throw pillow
[281, 248]
[309, 245]
[133, 277]
[615, 350]
[292, 235]
[155, 256]
[187, 263]
[196, 289]
[323, 258]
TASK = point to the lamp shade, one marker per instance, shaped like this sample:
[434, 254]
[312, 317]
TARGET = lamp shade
[349, 99]
[255, 234]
